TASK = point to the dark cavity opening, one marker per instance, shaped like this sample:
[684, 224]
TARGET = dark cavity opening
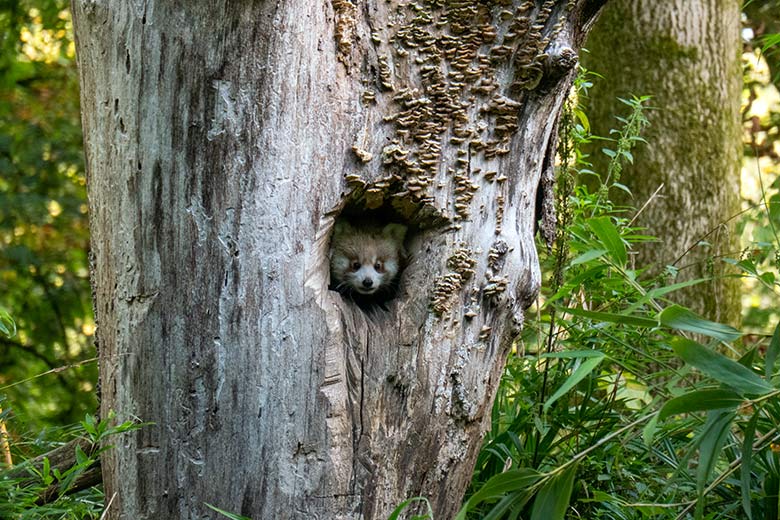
[370, 243]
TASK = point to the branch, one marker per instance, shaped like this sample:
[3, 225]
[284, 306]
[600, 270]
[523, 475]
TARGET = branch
[62, 458]
[53, 367]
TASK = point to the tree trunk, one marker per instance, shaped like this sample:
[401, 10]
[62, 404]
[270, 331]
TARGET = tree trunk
[686, 54]
[222, 140]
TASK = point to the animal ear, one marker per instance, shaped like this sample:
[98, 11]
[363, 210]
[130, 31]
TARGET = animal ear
[395, 232]
[341, 228]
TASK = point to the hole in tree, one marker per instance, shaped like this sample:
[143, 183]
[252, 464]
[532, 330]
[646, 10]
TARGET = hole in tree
[369, 243]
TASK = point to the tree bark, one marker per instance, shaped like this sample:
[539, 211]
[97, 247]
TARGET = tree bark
[222, 140]
[686, 54]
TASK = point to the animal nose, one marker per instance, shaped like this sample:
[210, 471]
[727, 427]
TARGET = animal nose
[368, 283]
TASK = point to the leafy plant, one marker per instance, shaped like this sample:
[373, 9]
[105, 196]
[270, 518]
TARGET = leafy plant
[597, 413]
[35, 489]
[560, 411]
[231, 516]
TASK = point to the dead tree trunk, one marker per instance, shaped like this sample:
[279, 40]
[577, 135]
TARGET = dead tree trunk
[223, 139]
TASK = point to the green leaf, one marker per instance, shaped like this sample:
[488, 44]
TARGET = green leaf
[587, 256]
[772, 352]
[46, 476]
[636, 321]
[574, 354]
[710, 445]
[403, 505]
[509, 481]
[552, 501]
[622, 187]
[719, 367]
[680, 318]
[583, 120]
[7, 324]
[648, 432]
[512, 502]
[608, 234]
[771, 495]
[701, 400]
[747, 462]
[81, 457]
[652, 294]
[89, 426]
[232, 516]
[585, 368]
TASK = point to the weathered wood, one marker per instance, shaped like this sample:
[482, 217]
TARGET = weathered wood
[686, 54]
[222, 139]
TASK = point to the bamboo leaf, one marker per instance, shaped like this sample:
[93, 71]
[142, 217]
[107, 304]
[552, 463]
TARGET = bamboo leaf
[608, 317]
[585, 368]
[719, 367]
[680, 318]
[658, 292]
[710, 445]
[552, 501]
[496, 487]
[747, 462]
[508, 481]
[588, 256]
[232, 516]
[608, 235]
[574, 354]
[648, 432]
[701, 400]
[513, 502]
[772, 352]
[403, 505]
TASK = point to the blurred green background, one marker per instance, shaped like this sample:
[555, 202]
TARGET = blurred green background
[45, 374]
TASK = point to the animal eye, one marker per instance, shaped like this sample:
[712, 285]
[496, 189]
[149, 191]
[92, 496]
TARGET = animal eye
[379, 267]
[355, 265]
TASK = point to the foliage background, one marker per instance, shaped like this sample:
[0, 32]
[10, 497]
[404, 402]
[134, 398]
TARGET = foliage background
[48, 377]
[44, 274]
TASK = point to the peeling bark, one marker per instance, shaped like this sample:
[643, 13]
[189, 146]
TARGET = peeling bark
[223, 139]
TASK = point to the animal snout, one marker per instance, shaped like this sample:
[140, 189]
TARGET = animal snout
[368, 283]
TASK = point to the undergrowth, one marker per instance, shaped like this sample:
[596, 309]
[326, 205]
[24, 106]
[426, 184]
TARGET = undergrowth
[35, 488]
[618, 403]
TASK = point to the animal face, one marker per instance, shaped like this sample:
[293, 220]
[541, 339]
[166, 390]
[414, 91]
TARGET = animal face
[365, 260]
[367, 273]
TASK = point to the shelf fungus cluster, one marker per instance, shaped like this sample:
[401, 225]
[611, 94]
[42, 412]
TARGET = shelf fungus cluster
[461, 269]
[345, 11]
[456, 71]
[461, 265]
[455, 76]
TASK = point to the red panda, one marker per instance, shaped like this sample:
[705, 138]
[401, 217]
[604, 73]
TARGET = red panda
[365, 261]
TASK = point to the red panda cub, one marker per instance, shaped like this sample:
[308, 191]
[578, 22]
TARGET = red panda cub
[365, 261]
